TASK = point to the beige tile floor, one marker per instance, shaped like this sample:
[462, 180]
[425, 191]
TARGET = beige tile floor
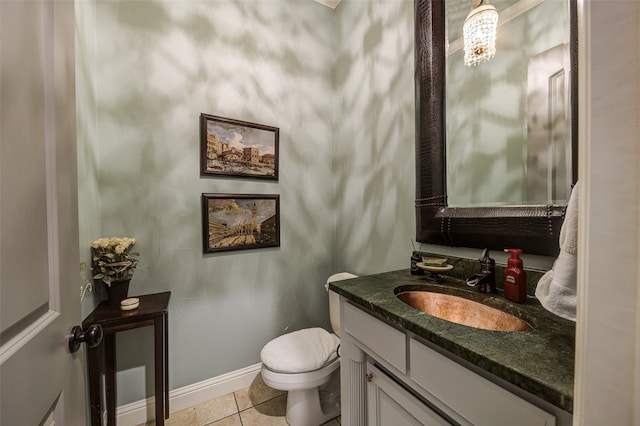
[257, 405]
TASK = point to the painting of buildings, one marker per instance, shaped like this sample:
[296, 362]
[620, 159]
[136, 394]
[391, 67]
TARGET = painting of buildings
[234, 148]
[237, 222]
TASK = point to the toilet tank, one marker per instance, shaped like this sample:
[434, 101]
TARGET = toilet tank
[334, 300]
[334, 312]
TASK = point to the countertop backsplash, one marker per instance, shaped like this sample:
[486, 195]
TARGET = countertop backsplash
[463, 268]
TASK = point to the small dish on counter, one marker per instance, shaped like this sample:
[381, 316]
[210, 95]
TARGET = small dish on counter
[434, 271]
[444, 268]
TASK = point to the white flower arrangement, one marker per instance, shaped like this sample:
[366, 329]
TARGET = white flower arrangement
[112, 259]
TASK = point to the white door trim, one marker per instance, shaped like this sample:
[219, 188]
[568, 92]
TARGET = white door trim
[608, 314]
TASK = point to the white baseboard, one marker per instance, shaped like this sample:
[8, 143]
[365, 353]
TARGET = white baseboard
[142, 411]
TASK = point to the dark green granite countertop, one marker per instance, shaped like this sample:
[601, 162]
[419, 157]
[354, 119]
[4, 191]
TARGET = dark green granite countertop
[539, 361]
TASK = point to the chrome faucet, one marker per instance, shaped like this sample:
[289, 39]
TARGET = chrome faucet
[486, 279]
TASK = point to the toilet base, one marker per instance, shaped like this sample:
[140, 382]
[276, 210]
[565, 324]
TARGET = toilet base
[305, 409]
[315, 406]
[309, 406]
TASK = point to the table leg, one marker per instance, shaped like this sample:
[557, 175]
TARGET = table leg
[110, 377]
[158, 330]
[165, 320]
[93, 361]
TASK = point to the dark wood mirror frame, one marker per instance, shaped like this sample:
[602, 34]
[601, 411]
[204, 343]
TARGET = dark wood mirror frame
[533, 228]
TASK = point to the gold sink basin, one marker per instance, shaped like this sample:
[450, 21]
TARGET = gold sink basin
[462, 311]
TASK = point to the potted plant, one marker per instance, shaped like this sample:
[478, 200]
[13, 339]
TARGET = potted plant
[113, 264]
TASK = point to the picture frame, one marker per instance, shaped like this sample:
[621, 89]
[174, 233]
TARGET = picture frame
[240, 221]
[240, 149]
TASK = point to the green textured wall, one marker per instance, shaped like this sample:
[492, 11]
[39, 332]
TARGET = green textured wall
[338, 84]
[374, 135]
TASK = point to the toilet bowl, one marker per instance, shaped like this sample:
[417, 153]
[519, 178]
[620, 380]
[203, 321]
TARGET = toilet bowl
[305, 363]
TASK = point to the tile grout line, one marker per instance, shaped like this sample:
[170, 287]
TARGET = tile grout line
[238, 408]
[235, 400]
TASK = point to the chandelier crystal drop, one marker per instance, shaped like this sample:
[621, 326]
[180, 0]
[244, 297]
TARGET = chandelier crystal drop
[479, 30]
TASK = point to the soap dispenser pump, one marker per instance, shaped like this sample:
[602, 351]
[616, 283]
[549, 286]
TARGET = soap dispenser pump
[515, 278]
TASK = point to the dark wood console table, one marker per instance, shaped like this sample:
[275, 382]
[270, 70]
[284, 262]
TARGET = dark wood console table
[151, 312]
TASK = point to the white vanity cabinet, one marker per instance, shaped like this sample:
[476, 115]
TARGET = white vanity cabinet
[388, 377]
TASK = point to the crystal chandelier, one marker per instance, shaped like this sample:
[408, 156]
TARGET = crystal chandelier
[480, 33]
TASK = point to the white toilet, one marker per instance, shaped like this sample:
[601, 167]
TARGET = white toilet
[306, 364]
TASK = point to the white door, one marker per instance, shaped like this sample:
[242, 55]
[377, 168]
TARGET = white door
[41, 382]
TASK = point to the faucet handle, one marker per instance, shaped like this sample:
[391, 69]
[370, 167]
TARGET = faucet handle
[487, 264]
[484, 255]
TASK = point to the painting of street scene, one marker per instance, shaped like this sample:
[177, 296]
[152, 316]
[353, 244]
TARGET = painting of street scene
[238, 222]
[234, 148]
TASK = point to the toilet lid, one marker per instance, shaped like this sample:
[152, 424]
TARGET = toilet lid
[300, 351]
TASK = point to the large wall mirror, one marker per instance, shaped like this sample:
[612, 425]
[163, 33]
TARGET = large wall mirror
[496, 143]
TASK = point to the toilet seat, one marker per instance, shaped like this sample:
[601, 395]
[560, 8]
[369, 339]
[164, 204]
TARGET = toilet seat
[300, 351]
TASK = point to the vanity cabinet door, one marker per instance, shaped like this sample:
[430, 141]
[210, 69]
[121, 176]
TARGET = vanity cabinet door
[388, 403]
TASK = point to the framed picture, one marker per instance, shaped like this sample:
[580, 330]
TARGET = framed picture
[240, 222]
[234, 148]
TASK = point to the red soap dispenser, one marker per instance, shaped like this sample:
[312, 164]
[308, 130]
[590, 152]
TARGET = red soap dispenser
[515, 278]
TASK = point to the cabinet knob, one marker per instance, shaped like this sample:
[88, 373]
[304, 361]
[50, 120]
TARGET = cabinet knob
[369, 377]
[92, 336]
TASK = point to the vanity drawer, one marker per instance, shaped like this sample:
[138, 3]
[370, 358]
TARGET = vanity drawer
[476, 399]
[384, 340]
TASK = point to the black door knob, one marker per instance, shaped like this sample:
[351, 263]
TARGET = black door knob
[92, 337]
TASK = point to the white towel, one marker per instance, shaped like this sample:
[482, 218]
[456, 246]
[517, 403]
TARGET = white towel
[556, 289]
